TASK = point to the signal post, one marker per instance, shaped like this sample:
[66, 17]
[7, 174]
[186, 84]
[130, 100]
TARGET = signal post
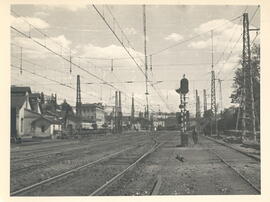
[182, 91]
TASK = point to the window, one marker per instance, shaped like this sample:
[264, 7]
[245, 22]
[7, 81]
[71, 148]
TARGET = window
[22, 125]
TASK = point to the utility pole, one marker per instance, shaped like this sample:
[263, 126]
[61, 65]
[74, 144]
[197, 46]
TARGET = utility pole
[116, 113]
[213, 93]
[198, 111]
[78, 98]
[248, 119]
[145, 63]
[120, 113]
[197, 105]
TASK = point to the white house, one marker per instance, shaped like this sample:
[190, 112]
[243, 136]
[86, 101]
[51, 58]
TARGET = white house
[19, 103]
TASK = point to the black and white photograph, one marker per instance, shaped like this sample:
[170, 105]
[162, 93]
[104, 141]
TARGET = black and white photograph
[134, 99]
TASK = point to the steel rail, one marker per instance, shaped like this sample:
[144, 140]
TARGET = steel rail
[64, 150]
[157, 185]
[19, 170]
[41, 149]
[53, 178]
[233, 148]
[238, 173]
[116, 177]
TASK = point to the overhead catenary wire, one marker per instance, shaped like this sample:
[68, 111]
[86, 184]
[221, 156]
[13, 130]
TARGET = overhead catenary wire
[114, 66]
[193, 37]
[122, 44]
[237, 41]
[50, 79]
[61, 56]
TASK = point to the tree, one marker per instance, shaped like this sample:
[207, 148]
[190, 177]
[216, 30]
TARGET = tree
[228, 119]
[66, 111]
[238, 81]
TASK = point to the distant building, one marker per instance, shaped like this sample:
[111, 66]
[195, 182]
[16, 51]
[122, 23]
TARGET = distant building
[159, 120]
[171, 123]
[46, 126]
[126, 123]
[19, 103]
[93, 113]
[26, 115]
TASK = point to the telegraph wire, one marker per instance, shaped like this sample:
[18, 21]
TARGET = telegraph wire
[192, 38]
[223, 53]
[109, 26]
[52, 80]
[252, 17]
[74, 64]
[117, 37]
[230, 54]
[61, 56]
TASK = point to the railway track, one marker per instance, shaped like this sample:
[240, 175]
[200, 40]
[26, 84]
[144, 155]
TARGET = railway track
[36, 165]
[53, 179]
[238, 150]
[48, 146]
[56, 177]
[103, 187]
[235, 171]
[62, 149]
[226, 157]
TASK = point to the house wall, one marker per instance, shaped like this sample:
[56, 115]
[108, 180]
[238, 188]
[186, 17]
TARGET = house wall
[88, 113]
[41, 128]
[54, 128]
[71, 123]
[29, 117]
[19, 122]
[20, 119]
[40, 133]
[94, 114]
[100, 117]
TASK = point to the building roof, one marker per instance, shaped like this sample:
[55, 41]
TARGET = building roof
[20, 90]
[17, 101]
[33, 112]
[50, 120]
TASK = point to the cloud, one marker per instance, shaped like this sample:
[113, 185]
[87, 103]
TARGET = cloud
[41, 14]
[62, 40]
[227, 41]
[225, 34]
[59, 44]
[69, 7]
[174, 37]
[130, 31]
[112, 51]
[21, 23]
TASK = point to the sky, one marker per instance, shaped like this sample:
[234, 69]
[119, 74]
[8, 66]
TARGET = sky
[178, 38]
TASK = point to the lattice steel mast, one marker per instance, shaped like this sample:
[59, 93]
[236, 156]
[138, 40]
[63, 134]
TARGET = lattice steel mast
[213, 92]
[204, 101]
[145, 63]
[248, 106]
[78, 98]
